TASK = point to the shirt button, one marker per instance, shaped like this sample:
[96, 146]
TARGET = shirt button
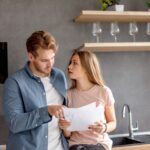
[43, 93]
[39, 81]
[46, 137]
[36, 125]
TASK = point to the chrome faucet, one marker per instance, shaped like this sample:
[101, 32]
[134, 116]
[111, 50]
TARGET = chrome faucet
[131, 128]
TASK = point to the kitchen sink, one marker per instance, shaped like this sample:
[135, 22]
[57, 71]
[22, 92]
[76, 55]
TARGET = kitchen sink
[122, 141]
[142, 138]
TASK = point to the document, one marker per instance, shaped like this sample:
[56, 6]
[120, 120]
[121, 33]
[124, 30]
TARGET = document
[84, 116]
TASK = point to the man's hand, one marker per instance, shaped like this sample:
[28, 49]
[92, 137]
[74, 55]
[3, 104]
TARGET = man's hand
[56, 110]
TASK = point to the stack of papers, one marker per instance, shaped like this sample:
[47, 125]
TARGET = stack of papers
[81, 118]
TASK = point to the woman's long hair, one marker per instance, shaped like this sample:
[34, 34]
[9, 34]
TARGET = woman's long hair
[90, 63]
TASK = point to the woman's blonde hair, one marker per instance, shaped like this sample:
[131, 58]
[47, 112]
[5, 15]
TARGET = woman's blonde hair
[90, 63]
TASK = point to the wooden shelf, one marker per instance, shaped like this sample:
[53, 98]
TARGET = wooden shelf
[116, 47]
[89, 16]
[109, 16]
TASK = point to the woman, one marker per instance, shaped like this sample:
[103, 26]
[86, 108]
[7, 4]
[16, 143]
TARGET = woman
[87, 87]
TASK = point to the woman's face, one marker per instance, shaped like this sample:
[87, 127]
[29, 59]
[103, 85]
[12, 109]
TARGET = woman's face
[75, 69]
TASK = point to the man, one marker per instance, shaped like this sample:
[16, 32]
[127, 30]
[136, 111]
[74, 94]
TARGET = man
[33, 98]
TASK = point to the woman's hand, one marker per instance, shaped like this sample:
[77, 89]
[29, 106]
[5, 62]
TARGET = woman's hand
[64, 124]
[98, 127]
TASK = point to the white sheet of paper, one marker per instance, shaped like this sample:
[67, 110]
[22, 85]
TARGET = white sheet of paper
[82, 117]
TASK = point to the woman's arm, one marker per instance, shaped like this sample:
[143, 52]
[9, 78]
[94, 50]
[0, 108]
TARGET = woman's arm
[67, 134]
[64, 124]
[110, 118]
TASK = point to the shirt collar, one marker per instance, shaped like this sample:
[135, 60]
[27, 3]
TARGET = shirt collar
[28, 70]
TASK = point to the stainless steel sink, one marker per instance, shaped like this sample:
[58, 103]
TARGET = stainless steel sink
[142, 138]
[122, 141]
[138, 139]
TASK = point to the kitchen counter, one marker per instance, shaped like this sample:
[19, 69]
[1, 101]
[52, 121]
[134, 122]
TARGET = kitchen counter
[133, 147]
[2, 147]
[142, 137]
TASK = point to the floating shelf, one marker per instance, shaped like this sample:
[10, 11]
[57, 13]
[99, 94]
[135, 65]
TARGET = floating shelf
[116, 47]
[109, 16]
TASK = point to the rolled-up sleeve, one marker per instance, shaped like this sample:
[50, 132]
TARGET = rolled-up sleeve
[109, 96]
[17, 118]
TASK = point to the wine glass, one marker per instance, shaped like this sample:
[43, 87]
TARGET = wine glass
[114, 30]
[148, 29]
[133, 30]
[96, 31]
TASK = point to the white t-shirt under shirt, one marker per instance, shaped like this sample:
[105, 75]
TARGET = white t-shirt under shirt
[53, 98]
[78, 98]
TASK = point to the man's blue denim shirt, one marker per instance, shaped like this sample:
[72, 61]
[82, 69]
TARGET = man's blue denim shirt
[25, 109]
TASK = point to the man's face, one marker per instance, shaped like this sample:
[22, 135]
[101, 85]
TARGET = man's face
[42, 64]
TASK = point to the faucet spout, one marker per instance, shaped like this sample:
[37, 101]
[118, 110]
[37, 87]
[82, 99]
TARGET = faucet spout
[131, 128]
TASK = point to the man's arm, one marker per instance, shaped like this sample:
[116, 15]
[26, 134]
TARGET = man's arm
[14, 111]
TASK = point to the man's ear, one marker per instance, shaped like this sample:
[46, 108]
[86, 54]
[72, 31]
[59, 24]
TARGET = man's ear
[30, 56]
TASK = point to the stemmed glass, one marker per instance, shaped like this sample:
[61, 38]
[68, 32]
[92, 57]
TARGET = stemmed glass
[133, 30]
[148, 29]
[114, 30]
[97, 31]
